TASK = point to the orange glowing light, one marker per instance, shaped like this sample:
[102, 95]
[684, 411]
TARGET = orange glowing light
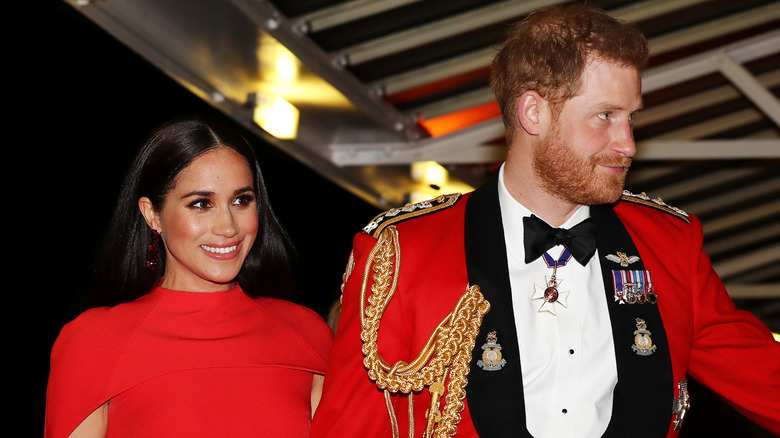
[442, 125]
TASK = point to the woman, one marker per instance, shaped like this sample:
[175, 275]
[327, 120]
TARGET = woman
[185, 345]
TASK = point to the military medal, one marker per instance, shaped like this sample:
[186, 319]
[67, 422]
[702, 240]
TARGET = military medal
[491, 354]
[643, 344]
[549, 294]
[634, 287]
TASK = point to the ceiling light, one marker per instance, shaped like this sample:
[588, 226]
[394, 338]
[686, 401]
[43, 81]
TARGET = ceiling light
[275, 115]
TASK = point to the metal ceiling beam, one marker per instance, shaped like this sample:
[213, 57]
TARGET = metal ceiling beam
[736, 240]
[652, 80]
[713, 127]
[690, 186]
[708, 62]
[460, 147]
[125, 22]
[437, 30]
[742, 217]
[268, 18]
[753, 89]
[768, 133]
[454, 149]
[753, 291]
[711, 29]
[482, 58]
[708, 149]
[754, 276]
[641, 175]
[651, 8]
[345, 12]
[698, 101]
[748, 261]
[437, 71]
[762, 189]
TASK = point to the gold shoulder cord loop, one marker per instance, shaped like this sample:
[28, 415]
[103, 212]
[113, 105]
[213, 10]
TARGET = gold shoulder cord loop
[446, 353]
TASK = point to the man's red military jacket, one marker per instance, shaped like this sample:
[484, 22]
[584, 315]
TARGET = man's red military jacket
[457, 240]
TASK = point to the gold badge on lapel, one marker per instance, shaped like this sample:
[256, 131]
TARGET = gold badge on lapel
[492, 360]
[622, 258]
[643, 344]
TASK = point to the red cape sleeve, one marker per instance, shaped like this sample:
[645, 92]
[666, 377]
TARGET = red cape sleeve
[80, 373]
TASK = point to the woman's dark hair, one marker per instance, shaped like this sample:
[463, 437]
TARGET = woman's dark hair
[121, 273]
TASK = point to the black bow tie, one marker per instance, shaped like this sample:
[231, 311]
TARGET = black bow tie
[580, 240]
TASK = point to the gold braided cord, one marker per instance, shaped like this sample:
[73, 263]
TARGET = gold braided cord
[393, 419]
[348, 270]
[447, 351]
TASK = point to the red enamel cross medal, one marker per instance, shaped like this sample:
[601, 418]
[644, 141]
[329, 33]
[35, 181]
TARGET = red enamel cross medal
[549, 293]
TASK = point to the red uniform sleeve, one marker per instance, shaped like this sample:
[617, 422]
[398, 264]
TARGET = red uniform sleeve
[732, 352]
[351, 404]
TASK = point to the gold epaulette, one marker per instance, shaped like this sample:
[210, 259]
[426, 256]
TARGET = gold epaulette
[395, 215]
[656, 203]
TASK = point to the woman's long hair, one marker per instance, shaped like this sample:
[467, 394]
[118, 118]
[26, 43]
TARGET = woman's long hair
[121, 274]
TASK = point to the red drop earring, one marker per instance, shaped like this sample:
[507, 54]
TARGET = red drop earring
[152, 252]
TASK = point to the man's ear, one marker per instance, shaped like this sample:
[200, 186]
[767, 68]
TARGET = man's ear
[532, 112]
[149, 213]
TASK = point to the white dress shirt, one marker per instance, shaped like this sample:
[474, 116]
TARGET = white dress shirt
[567, 359]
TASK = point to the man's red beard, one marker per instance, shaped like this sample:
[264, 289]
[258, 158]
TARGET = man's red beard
[569, 177]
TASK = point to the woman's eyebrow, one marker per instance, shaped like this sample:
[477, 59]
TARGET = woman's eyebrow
[209, 194]
[202, 193]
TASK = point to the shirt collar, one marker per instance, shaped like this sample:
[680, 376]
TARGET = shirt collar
[513, 212]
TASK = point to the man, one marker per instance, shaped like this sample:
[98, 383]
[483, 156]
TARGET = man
[592, 333]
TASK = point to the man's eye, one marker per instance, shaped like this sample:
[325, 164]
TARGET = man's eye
[604, 116]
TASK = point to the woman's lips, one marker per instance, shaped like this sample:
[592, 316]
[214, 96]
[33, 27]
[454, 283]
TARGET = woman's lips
[221, 251]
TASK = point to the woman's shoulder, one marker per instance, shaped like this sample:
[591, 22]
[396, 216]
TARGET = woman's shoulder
[305, 322]
[88, 331]
[91, 323]
[95, 327]
[295, 315]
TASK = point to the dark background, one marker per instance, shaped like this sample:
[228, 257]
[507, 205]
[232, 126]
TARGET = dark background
[82, 102]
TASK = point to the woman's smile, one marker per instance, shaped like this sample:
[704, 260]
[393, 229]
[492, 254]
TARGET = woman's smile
[225, 251]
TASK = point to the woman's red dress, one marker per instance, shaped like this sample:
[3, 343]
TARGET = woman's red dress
[189, 364]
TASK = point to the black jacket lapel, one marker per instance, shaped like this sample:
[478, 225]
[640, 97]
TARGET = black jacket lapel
[495, 398]
[642, 404]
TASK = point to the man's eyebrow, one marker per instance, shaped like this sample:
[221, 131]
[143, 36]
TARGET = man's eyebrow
[606, 106]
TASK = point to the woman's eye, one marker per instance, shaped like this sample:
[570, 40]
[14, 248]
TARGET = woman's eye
[604, 116]
[244, 200]
[200, 204]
